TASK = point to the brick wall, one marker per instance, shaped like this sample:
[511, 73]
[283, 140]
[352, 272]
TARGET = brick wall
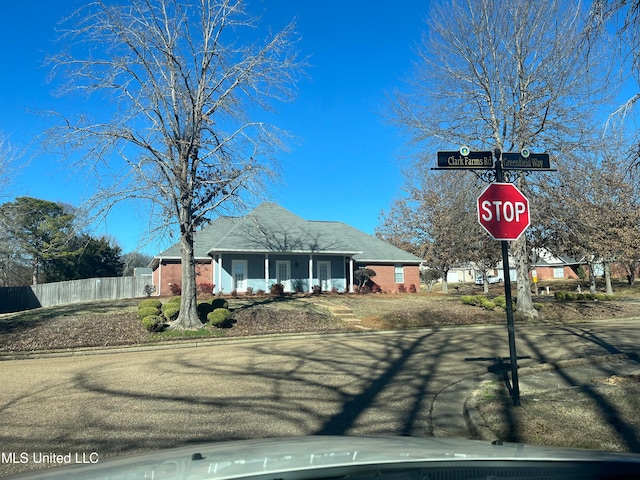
[385, 277]
[170, 272]
[546, 273]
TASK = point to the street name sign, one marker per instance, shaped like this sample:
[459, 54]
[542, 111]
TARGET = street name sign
[534, 161]
[472, 161]
[503, 211]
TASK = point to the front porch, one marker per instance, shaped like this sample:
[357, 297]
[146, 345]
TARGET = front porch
[240, 272]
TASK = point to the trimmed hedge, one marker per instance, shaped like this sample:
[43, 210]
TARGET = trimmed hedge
[152, 323]
[219, 317]
[171, 304]
[150, 302]
[574, 296]
[148, 311]
[171, 311]
[484, 302]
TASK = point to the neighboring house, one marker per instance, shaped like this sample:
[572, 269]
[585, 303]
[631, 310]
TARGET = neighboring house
[555, 267]
[272, 245]
[463, 273]
[547, 266]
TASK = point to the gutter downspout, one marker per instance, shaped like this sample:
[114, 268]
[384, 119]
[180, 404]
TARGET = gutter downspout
[160, 277]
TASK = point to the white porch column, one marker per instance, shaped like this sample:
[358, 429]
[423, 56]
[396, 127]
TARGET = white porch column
[310, 273]
[266, 272]
[350, 274]
[219, 282]
[160, 277]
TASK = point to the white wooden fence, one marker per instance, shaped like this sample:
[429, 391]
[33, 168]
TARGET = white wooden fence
[14, 299]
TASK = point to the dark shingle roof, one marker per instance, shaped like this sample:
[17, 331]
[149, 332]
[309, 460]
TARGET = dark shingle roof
[271, 228]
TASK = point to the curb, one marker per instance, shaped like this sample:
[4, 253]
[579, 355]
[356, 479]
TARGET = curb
[478, 430]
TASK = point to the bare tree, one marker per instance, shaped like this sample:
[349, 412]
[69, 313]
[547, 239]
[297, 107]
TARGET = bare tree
[624, 17]
[181, 131]
[502, 74]
[8, 155]
[438, 223]
[600, 219]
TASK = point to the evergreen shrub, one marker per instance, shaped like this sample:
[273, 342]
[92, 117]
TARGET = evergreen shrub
[219, 317]
[152, 323]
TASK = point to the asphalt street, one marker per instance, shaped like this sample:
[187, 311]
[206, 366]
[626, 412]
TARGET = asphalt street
[407, 383]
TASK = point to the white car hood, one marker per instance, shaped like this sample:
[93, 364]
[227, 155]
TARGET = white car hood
[319, 457]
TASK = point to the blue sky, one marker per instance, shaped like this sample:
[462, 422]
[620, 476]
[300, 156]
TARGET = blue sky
[347, 163]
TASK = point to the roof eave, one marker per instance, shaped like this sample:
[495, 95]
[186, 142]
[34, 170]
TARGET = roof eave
[283, 252]
[377, 260]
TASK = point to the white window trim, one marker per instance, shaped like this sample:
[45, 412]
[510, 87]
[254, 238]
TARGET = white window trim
[395, 273]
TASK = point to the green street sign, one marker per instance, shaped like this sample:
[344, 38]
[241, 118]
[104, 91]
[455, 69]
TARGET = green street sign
[534, 161]
[472, 161]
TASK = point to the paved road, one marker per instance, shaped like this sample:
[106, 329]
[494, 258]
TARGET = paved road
[411, 383]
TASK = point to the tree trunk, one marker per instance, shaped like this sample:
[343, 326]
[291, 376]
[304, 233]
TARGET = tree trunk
[607, 277]
[35, 273]
[592, 279]
[631, 276]
[485, 282]
[521, 258]
[188, 317]
[445, 284]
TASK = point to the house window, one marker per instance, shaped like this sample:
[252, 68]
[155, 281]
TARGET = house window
[399, 273]
[558, 272]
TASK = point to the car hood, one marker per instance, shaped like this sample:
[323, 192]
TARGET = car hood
[319, 457]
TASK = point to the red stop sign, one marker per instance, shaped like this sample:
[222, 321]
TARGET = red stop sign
[503, 211]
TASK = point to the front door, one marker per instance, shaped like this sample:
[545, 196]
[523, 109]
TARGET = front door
[324, 275]
[239, 276]
[283, 274]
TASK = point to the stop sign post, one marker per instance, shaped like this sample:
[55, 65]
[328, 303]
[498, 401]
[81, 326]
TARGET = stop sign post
[503, 211]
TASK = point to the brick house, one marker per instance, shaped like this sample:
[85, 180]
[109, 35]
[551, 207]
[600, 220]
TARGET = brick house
[272, 245]
[549, 266]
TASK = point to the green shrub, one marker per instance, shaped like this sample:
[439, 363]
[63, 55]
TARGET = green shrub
[538, 306]
[171, 311]
[500, 301]
[148, 311]
[218, 303]
[219, 317]
[152, 323]
[571, 296]
[487, 304]
[150, 302]
[601, 297]
[478, 301]
[204, 309]
[171, 303]
[469, 299]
